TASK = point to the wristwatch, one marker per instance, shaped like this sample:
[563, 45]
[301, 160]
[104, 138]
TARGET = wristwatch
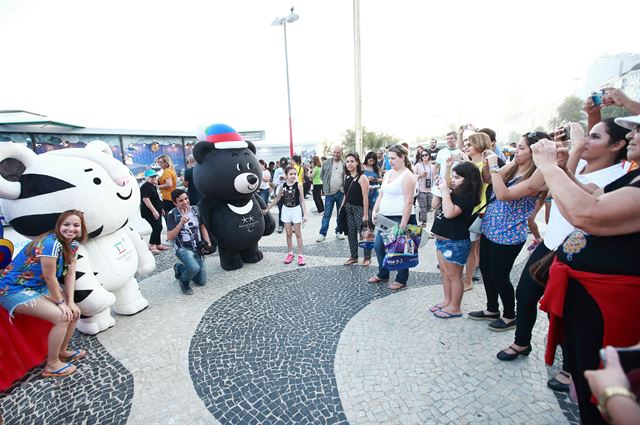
[612, 392]
[494, 169]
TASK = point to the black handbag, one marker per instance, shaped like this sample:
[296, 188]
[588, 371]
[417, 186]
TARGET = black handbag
[342, 214]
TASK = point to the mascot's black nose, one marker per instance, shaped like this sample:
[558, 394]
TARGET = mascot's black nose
[252, 179]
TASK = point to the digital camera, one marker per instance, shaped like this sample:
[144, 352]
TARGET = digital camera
[596, 97]
[205, 248]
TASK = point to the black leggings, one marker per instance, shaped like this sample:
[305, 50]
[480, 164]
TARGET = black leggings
[156, 229]
[317, 197]
[167, 206]
[496, 261]
[584, 330]
[528, 293]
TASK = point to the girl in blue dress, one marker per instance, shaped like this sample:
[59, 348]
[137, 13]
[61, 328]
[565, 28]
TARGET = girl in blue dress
[31, 285]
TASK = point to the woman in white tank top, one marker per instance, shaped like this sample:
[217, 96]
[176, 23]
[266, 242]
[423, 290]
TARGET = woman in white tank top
[395, 202]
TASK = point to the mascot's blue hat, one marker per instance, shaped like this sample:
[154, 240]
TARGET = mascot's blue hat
[223, 137]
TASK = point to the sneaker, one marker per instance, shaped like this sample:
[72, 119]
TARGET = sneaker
[300, 260]
[500, 325]
[186, 289]
[481, 315]
[289, 258]
[280, 229]
[321, 238]
[534, 244]
[340, 236]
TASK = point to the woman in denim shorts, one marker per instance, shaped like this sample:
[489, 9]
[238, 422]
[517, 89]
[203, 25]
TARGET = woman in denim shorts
[30, 286]
[451, 229]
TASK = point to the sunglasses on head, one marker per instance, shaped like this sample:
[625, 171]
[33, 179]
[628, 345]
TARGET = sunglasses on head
[533, 136]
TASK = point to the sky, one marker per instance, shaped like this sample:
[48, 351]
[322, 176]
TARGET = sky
[171, 65]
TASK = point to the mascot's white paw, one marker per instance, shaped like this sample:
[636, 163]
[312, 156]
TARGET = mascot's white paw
[146, 269]
[133, 306]
[96, 324]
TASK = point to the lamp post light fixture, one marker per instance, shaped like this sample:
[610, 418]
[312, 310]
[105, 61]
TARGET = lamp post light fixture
[283, 22]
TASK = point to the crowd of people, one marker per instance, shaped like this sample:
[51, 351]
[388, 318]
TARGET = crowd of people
[584, 271]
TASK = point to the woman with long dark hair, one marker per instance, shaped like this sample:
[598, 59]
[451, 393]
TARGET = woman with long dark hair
[600, 153]
[30, 285]
[373, 174]
[504, 230]
[356, 202]
[451, 230]
[593, 290]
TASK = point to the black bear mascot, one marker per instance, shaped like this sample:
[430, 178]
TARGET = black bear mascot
[228, 175]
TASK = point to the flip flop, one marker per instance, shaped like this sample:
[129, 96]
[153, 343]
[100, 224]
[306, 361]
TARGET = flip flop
[65, 370]
[395, 286]
[77, 355]
[435, 308]
[376, 279]
[448, 315]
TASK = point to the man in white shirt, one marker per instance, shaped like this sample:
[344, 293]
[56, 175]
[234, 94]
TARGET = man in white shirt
[441, 159]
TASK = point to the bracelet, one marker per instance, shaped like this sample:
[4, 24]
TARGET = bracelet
[494, 169]
[60, 302]
[609, 393]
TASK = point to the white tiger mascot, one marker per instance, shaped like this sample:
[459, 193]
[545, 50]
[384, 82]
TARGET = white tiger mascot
[35, 189]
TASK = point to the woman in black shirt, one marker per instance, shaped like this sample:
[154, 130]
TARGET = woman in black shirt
[451, 229]
[594, 284]
[356, 202]
[150, 208]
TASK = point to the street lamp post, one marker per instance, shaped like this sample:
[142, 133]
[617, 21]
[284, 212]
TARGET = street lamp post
[283, 22]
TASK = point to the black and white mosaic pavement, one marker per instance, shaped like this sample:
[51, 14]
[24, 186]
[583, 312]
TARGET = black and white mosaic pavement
[329, 249]
[100, 392]
[264, 353]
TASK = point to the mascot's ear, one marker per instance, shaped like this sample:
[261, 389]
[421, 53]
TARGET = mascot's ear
[14, 159]
[100, 146]
[201, 149]
[251, 146]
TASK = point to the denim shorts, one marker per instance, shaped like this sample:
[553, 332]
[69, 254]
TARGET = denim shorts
[27, 295]
[455, 252]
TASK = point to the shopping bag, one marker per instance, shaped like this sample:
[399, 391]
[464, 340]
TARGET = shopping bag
[401, 246]
[367, 236]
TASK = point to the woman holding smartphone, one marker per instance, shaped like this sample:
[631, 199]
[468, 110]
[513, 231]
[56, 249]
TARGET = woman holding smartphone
[593, 291]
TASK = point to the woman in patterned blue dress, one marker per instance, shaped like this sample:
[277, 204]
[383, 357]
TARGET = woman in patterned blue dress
[30, 285]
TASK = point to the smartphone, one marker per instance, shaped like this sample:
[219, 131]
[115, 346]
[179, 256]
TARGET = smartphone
[629, 358]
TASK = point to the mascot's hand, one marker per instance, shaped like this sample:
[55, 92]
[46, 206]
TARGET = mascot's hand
[269, 224]
[146, 266]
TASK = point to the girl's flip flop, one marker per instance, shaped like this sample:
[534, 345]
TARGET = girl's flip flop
[65, 370]
[77, 355]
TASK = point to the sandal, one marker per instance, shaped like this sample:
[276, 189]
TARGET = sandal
[435, 308]
[78, 354]
[556, 385]
[376, 279]
[65, 370]
[366, 262]
[350, 261]
[396, 286]
[506, 357]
